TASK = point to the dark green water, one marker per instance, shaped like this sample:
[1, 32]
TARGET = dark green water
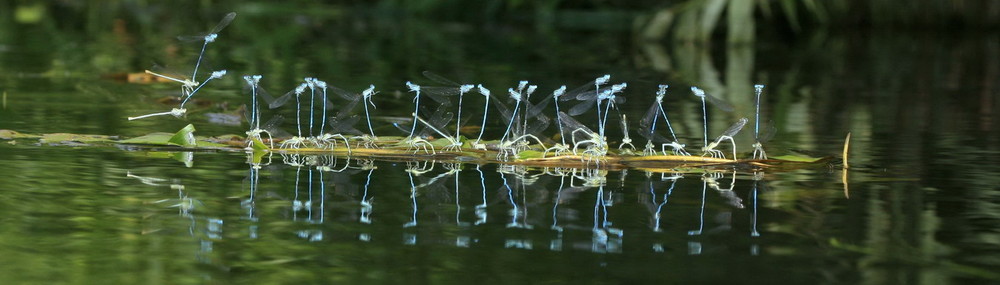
[920, 205]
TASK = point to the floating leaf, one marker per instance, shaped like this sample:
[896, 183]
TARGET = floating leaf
[184, 137]
[186, 157]
[203, 142]
[258, 157]
[258, 145]
[797, 158]
[9, 134]
[530, 154]
[153, 138]
[64, 137]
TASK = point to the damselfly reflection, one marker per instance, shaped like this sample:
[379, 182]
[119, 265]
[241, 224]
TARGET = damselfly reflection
[201, 226]
[451, 203]
[657, 201]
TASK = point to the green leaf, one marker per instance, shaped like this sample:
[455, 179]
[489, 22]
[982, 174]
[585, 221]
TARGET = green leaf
[64, 137]
[153, 138]
[258, 157]
[203, 142]
[530, 154]
[797, 158]
[258, 145]
[184, 137]
[185, 157]
[10, 134]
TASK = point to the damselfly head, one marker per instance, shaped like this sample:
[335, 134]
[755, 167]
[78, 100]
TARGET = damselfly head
[559, 92]
[465, 88]
[662, 91]
[320, 84]
[252, 80]
[758, 88]
[483, 90]
[178, 112]
[618, 87]
[514, 94]
[521, 84]
[531, 89]
[413, 87]
[300, 89]
[369, 92]
[218, 74]
[603, 79]
[697, 91]
[211, 37]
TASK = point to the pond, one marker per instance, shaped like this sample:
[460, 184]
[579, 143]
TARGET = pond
[919, 203]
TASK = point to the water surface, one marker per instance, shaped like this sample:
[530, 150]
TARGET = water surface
[918, 205]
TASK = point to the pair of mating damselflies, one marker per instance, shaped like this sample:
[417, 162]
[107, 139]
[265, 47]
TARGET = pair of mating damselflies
[189, 87]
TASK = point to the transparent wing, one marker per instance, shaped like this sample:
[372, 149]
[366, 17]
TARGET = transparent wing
[537, 125]
[582, 92]
[345, 125]
[351, 97]
[218, 28]
[768, 133]
[505, 112]
[347, 108]
[223, 23]
[571, 125]
[596, 94]
[191, 38]
[581, 108]
[347, 95]
[168, 73]
[443, 100]
[653, 136]
[280, 101]
[440, 79]
[439, 120]
[647, 119]
[274, 127]
[619, 99]
[735, 128]
[440, 91]
[719, 103]
[261, 93]
[536, 109]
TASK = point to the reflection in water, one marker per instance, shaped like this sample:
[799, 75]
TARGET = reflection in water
[329, 202]
[186, 206]
[665, 197]
[757, 185]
